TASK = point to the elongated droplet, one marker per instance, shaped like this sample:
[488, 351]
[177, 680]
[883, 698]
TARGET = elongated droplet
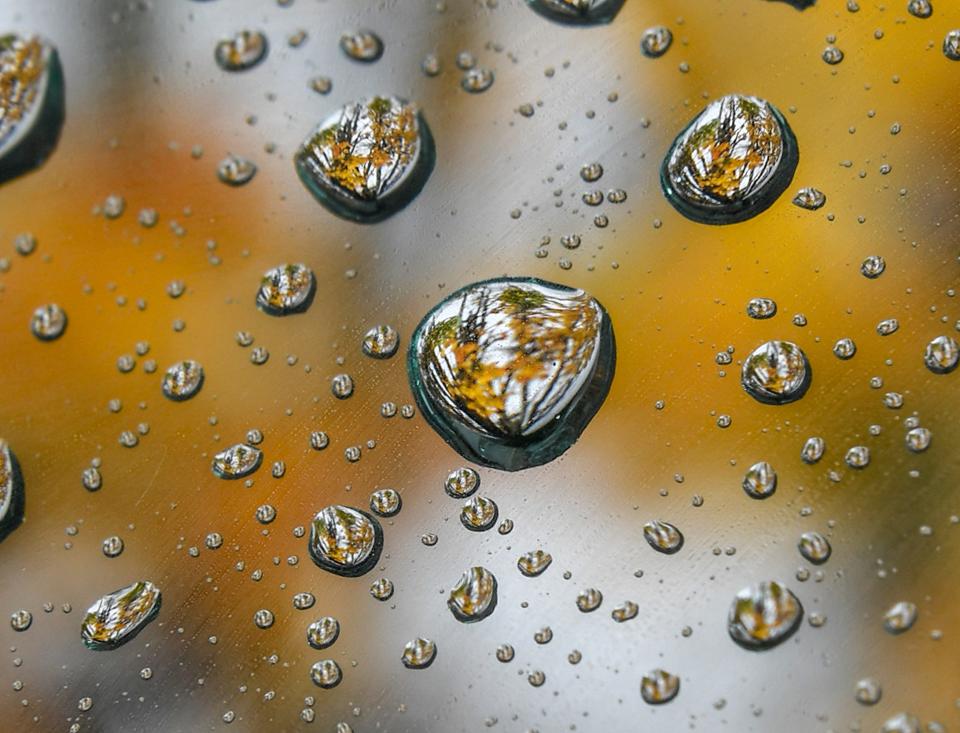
[182, 380]
[764, 615]
[11, 491]
[118, 616]
[510, 371]
[367, 160]
[286, 289]
[533, 563]
[418, 653]
[31, 103]
[659, 686]
[237, 461]
[776, 373]
[663, 536]
[242, 51]
[760, 481]
[474, 596]
[577, 12]
[731, 162]
[235, 170]
[344, 540]
[812, 450]
[761, 308]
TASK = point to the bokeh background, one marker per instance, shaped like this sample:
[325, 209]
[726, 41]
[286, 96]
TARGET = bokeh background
[143, 89]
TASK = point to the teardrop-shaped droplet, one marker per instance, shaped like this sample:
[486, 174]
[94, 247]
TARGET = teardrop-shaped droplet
[242, 51]
[810, 198]
[118, 616]
[776, 373]
[577, 12]
[31, 101]
[237, 461]
[323, 632]
[761, 308]
[474, 596]
[815, 547]
[11, 491]
[381, 342]
[663, 536]
[48, 322]
[533, 563]
[589, 600]
[763, 615]
[286, 289]
[365, 46]
[656, 41]
[385, 502]
[326, 673]
[461, 482]
[479, 513]
[901, 723]
[510, 371]
[659, 686]
[182, 380]
[760, 480]
[731, 162]
[812, 450]
[418, 653]
[900, 617]
[367, 160]
[344, 540]
[942, 355]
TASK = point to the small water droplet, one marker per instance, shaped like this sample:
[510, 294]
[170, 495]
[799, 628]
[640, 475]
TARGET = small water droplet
[760, 481]
[323, 632]
[900, 617]
[237, 461]
[418, 653]
[381, 342]
[659, 686]
[118, 616]
[242, 51]
[182, 380]
[663, 536]
[365, 46]
[810, 198]
[814, 547]
[474, 596]
[942, 355]
[326, 674]
[761, 308]
[533, 563]
[48, 321]
[286, 289]
[656, 41]
[479, 513]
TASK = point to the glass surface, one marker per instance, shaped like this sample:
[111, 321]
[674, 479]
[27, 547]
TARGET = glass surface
[142, 89]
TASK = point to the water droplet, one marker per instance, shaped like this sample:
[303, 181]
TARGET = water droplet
[776, 373]
[479, 513]
[11, 491]
[951, 45]
[577, 12]
[659, 686]
[118, 616]
[888, 326]
[764, 615]
[589, 600]
[591, 172]
[418, 653]
[48, 321]
[390, 158]
[341, 386]
[430, 65]
[942, 355]
[263, 619]
[91, 478]
[920, 8]
[510, 371]
[474, 596]
[760, 481]
[625, 611]
[476, 80]
[873, 266]
[319, 440]
[385, 502]
[461, 482]
[832, 55]
[381, 342]
[857, 457]
[182, 380]
[901, 723]
[326, 674]
[533, 563]
[382, 589]
[544, 635]
[814, 547]
[235, 170]
[731, 162]
[365, 46]
[868, 691]
[243, 50]
[237, 461]
[918, 439]
[810, 198]
[321, 84]
[286, 289]
[900, 617]
[656, 41]
[213, 540]
[20, 620]
[112, 546]
[323, 632]
[662, 536]
[344, 540]
[845, 348]
[761, 308]
[812, 450]
[303, 601]
[505, 653]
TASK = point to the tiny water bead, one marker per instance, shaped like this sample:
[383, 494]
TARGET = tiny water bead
[577, 12]
[533, 563]
[12, 492]
[760, 480]
[814, 547]
[474, 596]
[367, 160]
[32, 101]
[776, 373]
[385, 502]
[21, 620]
[659, 686]
[323, 632]
[117, 617]
[235, 170]
[182, 380]
[418, 653]
[868, 691]
[326, 673]
[510, 371]
[364, 46]
[764, 615]
[479, 513]
[844, 349]
[48, 322]
[731, 162]
[663, 536]
[761, 308]
[589, 600]
[381, 342]
[656, 41]
[461, 482]
[242, 51]
[286, 289]
[237, 461]
[812, 450]
[942, 355]
[810, 198]
[900, 617]
[344, 540]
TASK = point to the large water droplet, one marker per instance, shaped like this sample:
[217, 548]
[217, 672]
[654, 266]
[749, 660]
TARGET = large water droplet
[344, 540]
[760, 480]
[182, 380]
[776, 373]
[659, 686]
[237, 461]
[510, 371]
[367, 160]
[21, 619]
[763, 615]
[731, 162]
[11, 491]
[32, 102]
[900, 617]
[920, 8]
[418, 653]
[918, 439]
[474, 596]
[662, 536]
[578, 12]
[118, 616]
[942, 355]
[286, 289]
[243, 50]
